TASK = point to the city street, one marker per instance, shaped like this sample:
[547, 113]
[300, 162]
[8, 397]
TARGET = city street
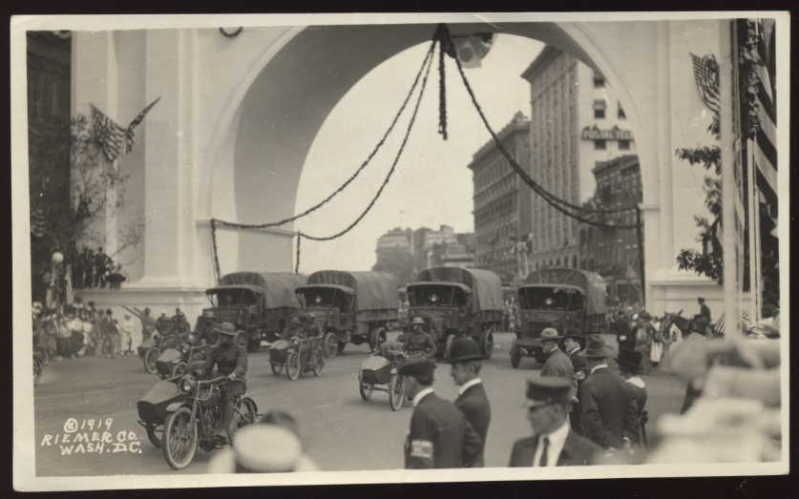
[341, 431]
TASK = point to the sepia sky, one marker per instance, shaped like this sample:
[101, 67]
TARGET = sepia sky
[432, 184]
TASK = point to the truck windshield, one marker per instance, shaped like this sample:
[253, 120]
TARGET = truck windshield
[550, 298]
[435, 296]
[325, 297]
[232, 297]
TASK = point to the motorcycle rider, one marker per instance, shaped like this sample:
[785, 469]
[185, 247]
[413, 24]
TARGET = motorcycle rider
[417, 340]
[229, 356]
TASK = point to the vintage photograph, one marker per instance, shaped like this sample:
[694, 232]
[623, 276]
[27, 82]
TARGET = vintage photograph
[291, 249]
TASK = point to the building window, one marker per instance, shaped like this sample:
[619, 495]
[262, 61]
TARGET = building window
[599, 108]
[621, 114]
[624, 145]
[599, 80]
[600, 145]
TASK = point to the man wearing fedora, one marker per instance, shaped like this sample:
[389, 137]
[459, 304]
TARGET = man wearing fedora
[553, 442]
[440, 436]
[466, 359]
[230, 359]
[607, 410]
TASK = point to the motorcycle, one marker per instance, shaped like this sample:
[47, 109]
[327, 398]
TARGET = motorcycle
[297, 355]
[154, 347]
[174, 362]
[380, 372]
[189, 416]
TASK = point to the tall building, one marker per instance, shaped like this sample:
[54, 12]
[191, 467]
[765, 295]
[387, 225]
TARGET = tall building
[615, 253]
[502, 202]
[576, 120]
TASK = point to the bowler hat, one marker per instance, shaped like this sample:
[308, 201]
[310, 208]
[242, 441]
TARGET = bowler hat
[550, 333]
[629, 361]
[417, 320]
[226, 328]
[463, 350]
[418, 368]
[543, 390]
[595, 348]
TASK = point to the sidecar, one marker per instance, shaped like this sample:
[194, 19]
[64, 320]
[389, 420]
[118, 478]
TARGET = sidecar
[152, 408]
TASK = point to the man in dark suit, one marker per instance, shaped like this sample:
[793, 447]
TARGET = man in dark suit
[572, 347]
[608, 414]
[557, 363]
[466, 357]
[440, 436]
[553, 443]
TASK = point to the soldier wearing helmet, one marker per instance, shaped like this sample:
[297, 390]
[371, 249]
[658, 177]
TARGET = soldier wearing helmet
[418, 341]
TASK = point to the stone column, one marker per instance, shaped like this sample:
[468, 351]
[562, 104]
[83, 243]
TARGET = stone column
[169, 159]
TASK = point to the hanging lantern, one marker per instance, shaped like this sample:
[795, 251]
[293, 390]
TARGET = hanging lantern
[58, 257]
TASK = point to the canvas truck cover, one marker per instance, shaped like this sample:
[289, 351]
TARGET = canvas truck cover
[373, 290]
[592, 284]
[486, 286]
[278, 287]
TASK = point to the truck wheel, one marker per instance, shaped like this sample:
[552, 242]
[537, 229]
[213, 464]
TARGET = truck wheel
[515, 356]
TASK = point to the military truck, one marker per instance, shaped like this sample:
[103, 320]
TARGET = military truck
[458, 301]
[570, 300]
[351, 307]
[259, 303]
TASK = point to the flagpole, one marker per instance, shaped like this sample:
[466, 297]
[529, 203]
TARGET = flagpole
[728, 185]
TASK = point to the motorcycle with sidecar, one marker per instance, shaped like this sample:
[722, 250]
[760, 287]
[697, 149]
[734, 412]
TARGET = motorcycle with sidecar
[297, 355]
[183, 413]
[380, 372]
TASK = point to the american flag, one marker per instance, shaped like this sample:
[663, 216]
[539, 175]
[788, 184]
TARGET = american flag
[706, 74]
[764, 140]
[114, 140]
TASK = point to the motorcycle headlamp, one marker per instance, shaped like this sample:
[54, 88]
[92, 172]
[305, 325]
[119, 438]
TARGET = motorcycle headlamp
[187, 384]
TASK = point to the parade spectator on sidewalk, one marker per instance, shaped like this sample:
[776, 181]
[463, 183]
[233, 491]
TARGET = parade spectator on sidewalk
[644, 333]
[630, 369]
[553, 442]
[126, 335]
[608, 415]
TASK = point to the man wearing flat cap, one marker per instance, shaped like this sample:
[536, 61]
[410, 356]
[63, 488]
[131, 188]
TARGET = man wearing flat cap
[466, 360]
[440, 436]
[608, 414]
[557, 363]
[553, 442]
[230, 359]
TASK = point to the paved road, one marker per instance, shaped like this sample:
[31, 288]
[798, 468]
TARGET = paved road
[341, 432]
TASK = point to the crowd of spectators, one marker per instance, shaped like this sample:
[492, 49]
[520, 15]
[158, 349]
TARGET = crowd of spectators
[96, 269]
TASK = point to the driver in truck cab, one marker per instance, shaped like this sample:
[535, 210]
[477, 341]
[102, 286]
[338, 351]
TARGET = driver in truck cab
[417, 340]
[229, 356]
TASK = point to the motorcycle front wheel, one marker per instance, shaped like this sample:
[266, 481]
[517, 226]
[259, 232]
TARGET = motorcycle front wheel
[396, 392]
[149, 360]
[180, 439]
[293, 367]
[276, 368]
